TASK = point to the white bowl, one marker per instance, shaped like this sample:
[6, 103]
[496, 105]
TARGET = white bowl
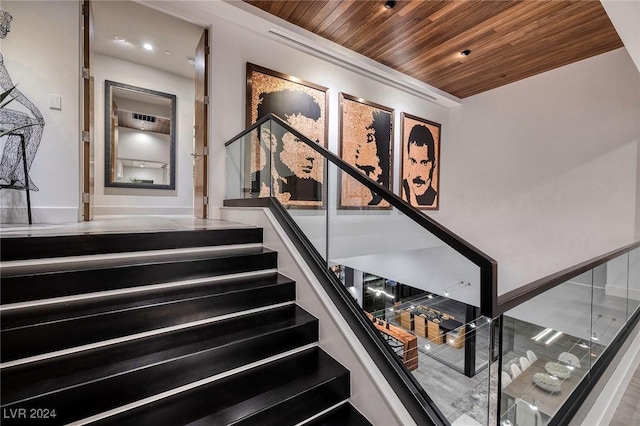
[558, 370]
[544, 385]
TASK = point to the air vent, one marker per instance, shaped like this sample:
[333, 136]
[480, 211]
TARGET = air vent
[143, 117]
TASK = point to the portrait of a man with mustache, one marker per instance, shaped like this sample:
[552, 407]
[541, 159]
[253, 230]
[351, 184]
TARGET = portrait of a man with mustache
[417, 187]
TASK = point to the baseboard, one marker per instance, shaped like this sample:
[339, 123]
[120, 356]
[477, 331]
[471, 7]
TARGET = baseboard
[612, 290]
[19, 215]
[142, 210]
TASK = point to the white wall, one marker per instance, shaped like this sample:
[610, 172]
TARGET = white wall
[145, 201]
[42, 55]
[540, 174]
[543, 173]
[237, 38]
[625, 17]
[623, 276]
[638, 192]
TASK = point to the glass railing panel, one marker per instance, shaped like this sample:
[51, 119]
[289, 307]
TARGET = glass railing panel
[609, 303]
[238, 178]
[545, 351]
[416, 288]
[248, 165]
[439, 360]
[299, 183]
[380, 240]
[633, 289]
[482, 328]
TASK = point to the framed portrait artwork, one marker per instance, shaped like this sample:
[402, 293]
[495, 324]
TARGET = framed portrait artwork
[296, 172]
[420, 176]
[366, 142]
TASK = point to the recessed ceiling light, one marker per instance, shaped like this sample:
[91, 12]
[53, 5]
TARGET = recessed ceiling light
[465, 52]
[166, 52]
[147, 46]
[389, 4]
[120, 39]
[191, 61]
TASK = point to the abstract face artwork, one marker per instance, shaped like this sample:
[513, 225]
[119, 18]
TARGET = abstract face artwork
[366, 143]
[295, 174]
[420, 162]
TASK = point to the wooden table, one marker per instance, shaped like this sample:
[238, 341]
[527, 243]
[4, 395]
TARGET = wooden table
[409, 342]
[523, 387]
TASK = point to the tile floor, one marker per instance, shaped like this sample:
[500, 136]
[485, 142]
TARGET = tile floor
[114, 224]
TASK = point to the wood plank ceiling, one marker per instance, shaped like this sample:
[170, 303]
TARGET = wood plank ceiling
[509, 40]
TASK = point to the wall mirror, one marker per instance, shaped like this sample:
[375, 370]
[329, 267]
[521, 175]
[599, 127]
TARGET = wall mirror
[140, 137]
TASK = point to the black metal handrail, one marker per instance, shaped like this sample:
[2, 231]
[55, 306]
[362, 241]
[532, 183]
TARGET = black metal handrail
[488, 266]
[520, 295]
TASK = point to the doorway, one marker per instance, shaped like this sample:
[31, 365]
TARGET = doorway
[138, 46]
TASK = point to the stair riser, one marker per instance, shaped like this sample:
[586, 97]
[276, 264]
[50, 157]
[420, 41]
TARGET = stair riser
[84, 401]
[345, 414]
[20, 248]
[236, 397]
[45, 286]
[36, 378]
[30, 341]
[143, 296]
[301, 407]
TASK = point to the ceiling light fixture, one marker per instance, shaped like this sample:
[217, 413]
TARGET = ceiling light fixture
[389, 4]
[166, 52]
[554, 337]
[191, 61]
[465, 52]
[147, 46]
[542, 334]
[120, 39]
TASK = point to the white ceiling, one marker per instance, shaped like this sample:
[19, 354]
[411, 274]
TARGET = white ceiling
[138, 25]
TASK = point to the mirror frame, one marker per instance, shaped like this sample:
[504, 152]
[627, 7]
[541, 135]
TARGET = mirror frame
[108, 85]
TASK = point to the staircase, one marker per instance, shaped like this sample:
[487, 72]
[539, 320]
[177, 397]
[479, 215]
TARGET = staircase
[167, 328]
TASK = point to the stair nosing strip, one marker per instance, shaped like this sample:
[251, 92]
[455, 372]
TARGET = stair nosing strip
[190, 386]
[131, 290]
[140, 307]
[154, 364]
[288, 398]
[123, 255]
[323, 412]
[136, 336]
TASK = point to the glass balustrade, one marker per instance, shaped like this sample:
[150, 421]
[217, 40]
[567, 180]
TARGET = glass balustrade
[424, 296]
[421, 294]
[552, 341]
